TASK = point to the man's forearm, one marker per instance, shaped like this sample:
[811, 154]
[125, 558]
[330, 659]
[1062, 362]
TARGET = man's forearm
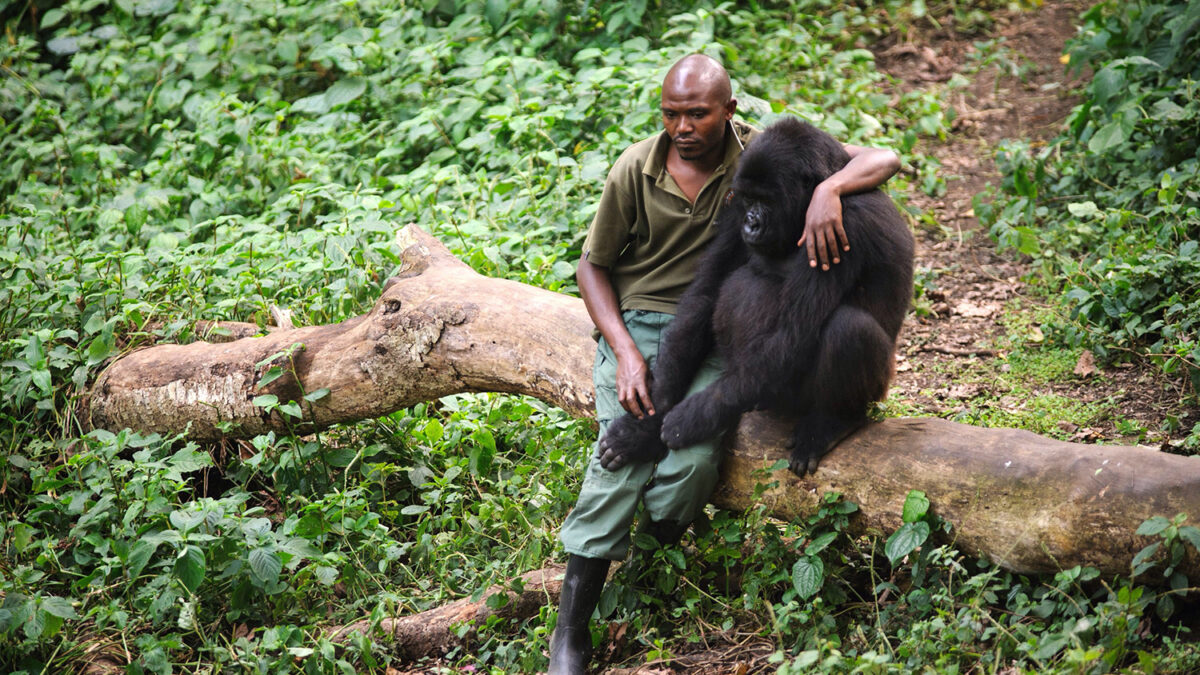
[867, 169]
[600, 299]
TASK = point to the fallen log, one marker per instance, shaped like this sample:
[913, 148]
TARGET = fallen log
[435, 632]
[1029, 503]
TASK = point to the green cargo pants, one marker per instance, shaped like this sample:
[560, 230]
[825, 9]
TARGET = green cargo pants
[675, 489]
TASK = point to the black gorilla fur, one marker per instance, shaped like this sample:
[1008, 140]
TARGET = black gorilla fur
[817, 344]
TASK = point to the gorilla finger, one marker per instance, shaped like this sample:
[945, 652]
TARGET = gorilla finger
[612, 460]
[812, 464]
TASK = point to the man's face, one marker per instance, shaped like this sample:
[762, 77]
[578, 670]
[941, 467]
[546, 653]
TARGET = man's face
[694, 117]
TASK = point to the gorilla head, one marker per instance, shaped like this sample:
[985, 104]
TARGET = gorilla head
[772, 192]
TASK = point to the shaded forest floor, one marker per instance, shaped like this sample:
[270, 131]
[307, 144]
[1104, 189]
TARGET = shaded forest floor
[978, 305]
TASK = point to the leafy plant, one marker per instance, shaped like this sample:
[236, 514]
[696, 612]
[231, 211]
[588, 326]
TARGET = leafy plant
[1109, 209]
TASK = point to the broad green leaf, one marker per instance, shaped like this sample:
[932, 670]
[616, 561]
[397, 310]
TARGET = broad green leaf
[344, 90]
[819, 543]
[1112, 135]
[1153, 526]
[434, 430]
[60, 607]
[1190, 534]
[291, 408]
[41, 379]
[316, 104]
[52, 17]
[316, 395]
[495, 11]
[140, 554]
[265, 566]
[1166, 109]
[265, 401]
[906, 540]
[916, 505]
[273, 373]
[808, 576]
[326, 575]
[100, 348]
[1144, 554]
[1107, 84]
[1084, 209]
[189, 568]
[135, 218]
[185, 520]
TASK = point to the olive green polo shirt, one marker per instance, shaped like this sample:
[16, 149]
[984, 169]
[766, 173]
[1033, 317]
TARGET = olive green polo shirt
[646, 232]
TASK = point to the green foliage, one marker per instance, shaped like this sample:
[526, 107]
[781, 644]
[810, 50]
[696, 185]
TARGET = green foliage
[1110, 208]
[170, 162]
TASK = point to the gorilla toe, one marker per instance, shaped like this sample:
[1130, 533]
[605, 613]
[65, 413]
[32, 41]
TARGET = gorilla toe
[630, 440]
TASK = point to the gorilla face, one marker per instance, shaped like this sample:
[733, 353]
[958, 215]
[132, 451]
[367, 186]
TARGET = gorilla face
[768, 223]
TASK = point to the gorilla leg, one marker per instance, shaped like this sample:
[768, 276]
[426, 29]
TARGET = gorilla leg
[853, 367]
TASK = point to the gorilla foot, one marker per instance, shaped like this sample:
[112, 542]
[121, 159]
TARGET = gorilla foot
[630, 441]
[808, 448]
[689, 423]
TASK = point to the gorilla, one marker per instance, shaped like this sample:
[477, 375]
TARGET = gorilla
[816, 344]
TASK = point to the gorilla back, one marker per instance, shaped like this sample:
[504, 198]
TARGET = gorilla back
[817, 344]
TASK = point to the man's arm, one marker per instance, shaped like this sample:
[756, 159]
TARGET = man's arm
[633, 375]
[867, 169]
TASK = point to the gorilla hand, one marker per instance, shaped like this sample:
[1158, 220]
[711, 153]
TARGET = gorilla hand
[630, 440]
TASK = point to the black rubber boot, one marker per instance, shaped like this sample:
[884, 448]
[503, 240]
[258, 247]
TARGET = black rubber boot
[571, 643]
[665, 532]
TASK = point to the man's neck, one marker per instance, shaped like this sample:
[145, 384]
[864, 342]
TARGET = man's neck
[691, 174]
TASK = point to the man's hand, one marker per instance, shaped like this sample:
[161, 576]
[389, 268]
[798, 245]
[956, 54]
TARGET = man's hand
[633, 384]
[824, 235]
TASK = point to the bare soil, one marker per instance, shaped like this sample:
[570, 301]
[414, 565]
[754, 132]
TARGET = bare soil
[972, 281]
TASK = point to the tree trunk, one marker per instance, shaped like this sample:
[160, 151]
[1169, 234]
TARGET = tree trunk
[1029, 503]
[433, 632]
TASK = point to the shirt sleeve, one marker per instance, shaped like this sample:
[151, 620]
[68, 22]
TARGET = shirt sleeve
[613, 225]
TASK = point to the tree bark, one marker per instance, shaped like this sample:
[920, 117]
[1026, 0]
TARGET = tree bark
[433, 632]
[1029, 503]
[438, 328]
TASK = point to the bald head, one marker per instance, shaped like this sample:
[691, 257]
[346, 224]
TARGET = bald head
[699, 74]
[696, 104]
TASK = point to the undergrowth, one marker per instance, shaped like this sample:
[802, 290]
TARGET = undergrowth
[171, 162]
[1109, 210]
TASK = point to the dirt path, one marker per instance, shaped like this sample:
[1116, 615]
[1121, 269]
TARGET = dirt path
[946, 355]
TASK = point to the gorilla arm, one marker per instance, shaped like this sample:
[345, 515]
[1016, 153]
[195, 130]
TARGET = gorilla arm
[867, 169]
[763, 361]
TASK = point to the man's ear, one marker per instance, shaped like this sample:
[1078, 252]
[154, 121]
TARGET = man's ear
[730, 108]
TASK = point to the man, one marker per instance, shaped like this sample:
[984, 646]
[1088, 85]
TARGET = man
[654, 220]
